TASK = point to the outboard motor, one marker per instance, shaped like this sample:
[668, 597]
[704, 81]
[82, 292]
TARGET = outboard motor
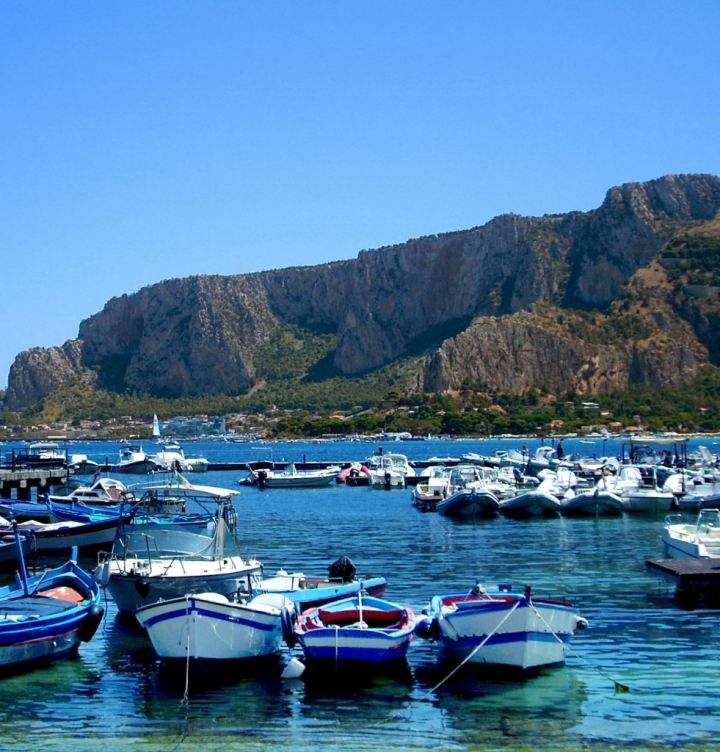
[342, 569]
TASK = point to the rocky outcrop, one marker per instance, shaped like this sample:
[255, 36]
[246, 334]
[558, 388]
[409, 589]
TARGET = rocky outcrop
[40, 371]
[199, 335]
[514, 353]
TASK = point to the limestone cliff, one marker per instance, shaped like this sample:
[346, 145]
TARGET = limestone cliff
[38, 372]
[198, 335]
[524, 350]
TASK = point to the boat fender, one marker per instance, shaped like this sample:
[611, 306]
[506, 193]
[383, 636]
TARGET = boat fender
[288, 629]
[102, 574]
[427, 628]
[581, 622]
[89, 625]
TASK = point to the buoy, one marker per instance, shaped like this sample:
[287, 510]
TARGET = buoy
[102, 574]
[89, 625]
[293, 670]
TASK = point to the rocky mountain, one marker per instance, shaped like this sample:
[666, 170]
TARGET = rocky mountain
[468, 300]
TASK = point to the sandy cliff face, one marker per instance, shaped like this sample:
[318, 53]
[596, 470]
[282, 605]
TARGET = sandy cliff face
[198, 335]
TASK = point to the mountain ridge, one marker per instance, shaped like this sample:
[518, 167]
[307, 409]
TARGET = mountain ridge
[200, 334]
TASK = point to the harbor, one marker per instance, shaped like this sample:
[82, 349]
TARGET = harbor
[121, 696]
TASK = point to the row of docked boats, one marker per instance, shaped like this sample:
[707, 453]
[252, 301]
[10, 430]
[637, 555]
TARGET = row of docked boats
[202, 602]
[132, 459]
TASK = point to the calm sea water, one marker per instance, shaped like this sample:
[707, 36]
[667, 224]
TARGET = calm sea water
[115, 695]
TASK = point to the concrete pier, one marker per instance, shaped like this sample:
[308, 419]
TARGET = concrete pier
[22, 482]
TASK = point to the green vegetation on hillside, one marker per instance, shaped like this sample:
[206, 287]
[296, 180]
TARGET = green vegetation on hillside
[380, 402]
[694, 259]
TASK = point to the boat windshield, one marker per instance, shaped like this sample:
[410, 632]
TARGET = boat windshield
[171, 544]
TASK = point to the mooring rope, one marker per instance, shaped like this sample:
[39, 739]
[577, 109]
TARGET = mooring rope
[472, 653]
[186, 696]
[618, 686]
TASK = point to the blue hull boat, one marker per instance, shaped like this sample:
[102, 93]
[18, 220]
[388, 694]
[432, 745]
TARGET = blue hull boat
[311, 592]
[47, 616]
[361, 629]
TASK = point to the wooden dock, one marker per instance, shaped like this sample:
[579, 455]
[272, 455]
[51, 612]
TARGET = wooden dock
[696, 580]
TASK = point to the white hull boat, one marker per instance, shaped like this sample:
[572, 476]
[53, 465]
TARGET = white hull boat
[501, 628]
[208, 627]
[698, 540]
[161, 564]
[291, 477]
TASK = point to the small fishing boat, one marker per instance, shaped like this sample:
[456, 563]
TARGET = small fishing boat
[53, 537]
[359, 629]
[45, 617]
[698, 540]
[209, 627]
[136, 518]
[9, 547]
[500, 628]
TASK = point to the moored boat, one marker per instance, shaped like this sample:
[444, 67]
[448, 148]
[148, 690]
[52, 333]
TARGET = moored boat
[469, 502]
[291, 477]
[594, 502]
[359, 629]
[697, 540]
[151, 565]
[501, 628]
[309, 592]
[205, 628]
[45, 617]
[534, 503]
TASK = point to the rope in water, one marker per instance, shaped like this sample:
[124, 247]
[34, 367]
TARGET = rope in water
[186, 696]
[618, 686]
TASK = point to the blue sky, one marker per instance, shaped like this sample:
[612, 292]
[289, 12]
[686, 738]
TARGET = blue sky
[141, 141]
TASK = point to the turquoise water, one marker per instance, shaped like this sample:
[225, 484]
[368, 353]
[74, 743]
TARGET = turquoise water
[115, 695]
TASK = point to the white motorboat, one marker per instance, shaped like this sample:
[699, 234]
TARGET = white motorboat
[433, 488]
[637, 486]
[81, 464]
[172, 457]
[134, 460]
[389, 470]
[698, 540]
[501, 628]
[291, 477]
[209, 627]
[161, 564]
[103, 491]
